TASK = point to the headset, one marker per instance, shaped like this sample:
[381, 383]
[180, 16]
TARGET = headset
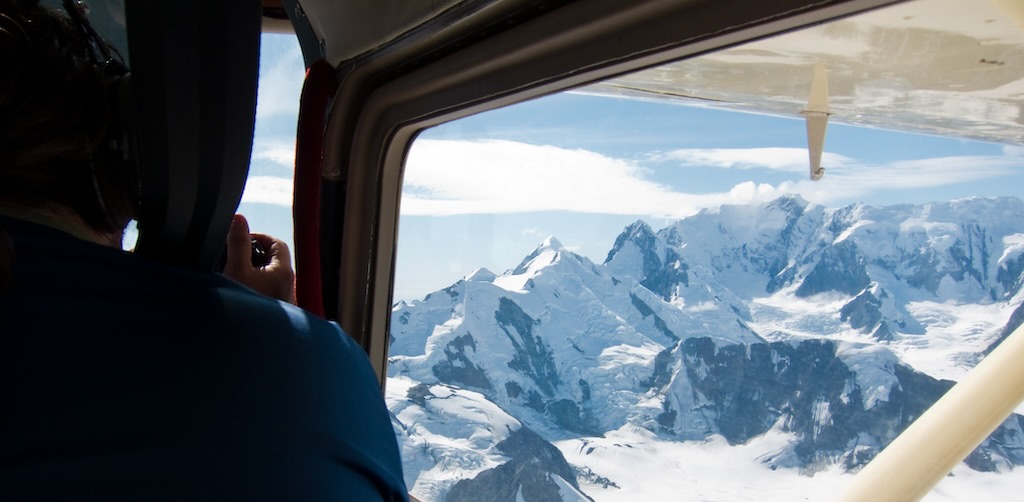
[183, 102]
[118, 146]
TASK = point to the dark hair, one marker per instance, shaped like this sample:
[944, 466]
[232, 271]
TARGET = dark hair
[55, 118]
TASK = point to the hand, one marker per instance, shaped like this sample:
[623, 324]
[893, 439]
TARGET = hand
[276, 279]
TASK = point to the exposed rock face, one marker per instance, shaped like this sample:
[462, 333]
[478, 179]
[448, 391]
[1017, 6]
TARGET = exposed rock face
[536, 471]
[457, 368]
[864, 312]
[809, 390]
[840, 268]
[532, 357]
[660, 266]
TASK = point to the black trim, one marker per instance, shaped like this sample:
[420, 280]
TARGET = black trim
[312, 50]
[331, 226]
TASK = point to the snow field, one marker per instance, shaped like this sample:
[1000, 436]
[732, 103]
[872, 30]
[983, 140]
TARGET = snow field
[451, 437]
[646, 467]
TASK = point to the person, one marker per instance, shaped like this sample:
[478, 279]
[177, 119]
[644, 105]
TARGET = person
[123, 378]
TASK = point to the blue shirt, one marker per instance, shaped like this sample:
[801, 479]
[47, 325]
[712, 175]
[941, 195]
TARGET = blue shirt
[128, 379]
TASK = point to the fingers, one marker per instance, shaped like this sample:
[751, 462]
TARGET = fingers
[277, 250]
[276, 279]
[239, 248]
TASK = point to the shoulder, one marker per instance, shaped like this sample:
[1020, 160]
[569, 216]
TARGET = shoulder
[329, 409]
[231, 382]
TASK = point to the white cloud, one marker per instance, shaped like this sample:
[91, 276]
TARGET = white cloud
[279, 152]
[775, 158]
[923, 173]
[855, 181]
[494, 176]
[446, 177]
[282, 72]
[268, 190]
[1013, 150]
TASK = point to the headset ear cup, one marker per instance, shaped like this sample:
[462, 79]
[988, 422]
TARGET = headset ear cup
[114, 174]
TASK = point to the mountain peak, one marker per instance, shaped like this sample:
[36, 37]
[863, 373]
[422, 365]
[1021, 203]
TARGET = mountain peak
[552, 243]
[789, 203]
[638, 232]
[550, 249]
[638, 228]
[481, 275]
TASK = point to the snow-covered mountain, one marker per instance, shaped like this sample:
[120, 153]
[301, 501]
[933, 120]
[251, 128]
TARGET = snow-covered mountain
[829, 329]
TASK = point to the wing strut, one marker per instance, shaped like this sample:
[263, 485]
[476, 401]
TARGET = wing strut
[817, 114]
[948, 431]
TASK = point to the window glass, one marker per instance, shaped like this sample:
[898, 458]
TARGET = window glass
[635, 291]
[267, 199]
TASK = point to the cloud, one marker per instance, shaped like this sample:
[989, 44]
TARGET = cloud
[278, 152]
[775, 158]
[282, 72]
[268, 190]
[447, 177]
[1013, 150]
[857, 180]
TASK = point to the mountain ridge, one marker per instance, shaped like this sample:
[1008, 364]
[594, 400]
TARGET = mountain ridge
[784, 316]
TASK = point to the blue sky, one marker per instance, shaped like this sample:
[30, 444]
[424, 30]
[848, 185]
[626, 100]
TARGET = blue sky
[485, 190]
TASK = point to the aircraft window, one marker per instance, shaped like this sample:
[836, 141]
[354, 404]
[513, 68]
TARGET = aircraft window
[267, 199]
[635, 291]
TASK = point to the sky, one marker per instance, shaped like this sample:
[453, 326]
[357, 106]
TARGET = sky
[484, 191]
